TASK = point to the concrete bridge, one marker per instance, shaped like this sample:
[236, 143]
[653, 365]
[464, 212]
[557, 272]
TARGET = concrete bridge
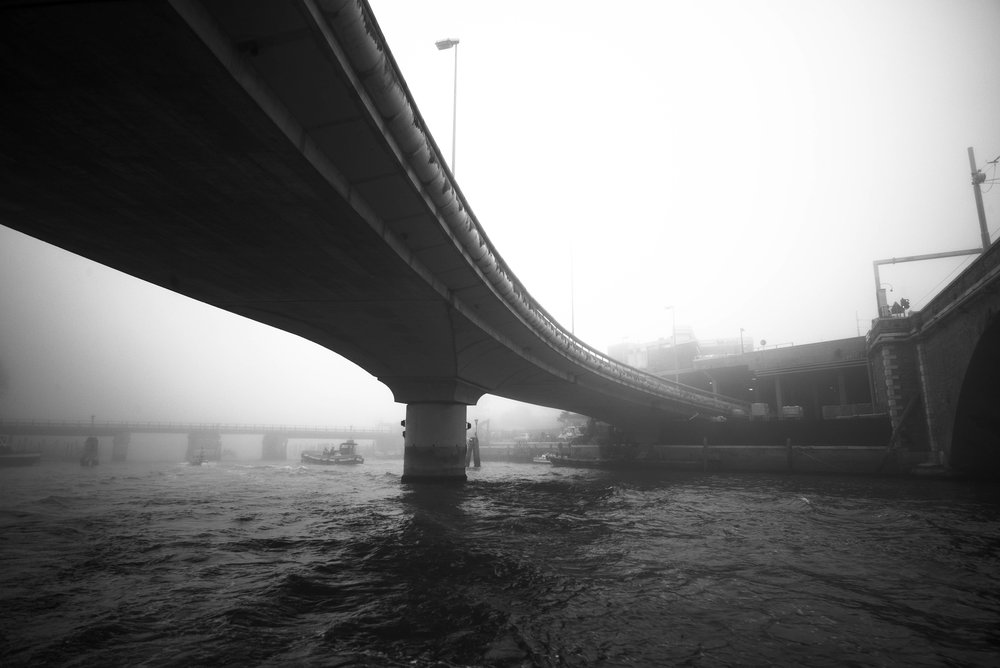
[936, 371]
[203, 437]
[268, 159]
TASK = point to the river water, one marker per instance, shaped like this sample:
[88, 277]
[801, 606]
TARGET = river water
[248, 564]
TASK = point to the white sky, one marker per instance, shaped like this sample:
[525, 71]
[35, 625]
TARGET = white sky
[742, 161]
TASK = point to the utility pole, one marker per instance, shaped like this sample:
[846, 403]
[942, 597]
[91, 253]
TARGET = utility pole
[977, 178]
[454, 113]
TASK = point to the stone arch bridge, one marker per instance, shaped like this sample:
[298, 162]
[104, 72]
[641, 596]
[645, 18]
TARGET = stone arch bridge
[936, 371]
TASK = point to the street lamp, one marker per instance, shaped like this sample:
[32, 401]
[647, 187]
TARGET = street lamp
[442, 45]
[883, 303]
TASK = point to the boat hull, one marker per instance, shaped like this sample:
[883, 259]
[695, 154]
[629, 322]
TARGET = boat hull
[331, 460]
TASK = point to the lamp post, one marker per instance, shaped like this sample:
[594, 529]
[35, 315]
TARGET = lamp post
[442, 45]
[673, 336]
[882, 302]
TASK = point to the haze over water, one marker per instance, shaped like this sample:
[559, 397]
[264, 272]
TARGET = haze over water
[251, 564]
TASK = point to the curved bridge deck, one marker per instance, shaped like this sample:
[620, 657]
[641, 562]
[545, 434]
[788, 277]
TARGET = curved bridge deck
[268, 159]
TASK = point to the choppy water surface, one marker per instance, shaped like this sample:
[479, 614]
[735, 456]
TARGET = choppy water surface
[253, 564]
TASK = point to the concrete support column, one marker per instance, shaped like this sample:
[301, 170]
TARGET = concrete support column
[896, 363]
[434, 440]
[434, 444]
[119, 446]
[777, 395]
[893, 386]
[274, 447]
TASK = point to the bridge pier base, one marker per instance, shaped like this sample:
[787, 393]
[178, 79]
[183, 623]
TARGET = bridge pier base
[274, 447]
[119, 446]
[434, 443]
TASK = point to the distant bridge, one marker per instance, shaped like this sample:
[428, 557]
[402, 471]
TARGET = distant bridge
[201, 435]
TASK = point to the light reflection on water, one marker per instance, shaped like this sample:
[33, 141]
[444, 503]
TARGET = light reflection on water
[254, 564]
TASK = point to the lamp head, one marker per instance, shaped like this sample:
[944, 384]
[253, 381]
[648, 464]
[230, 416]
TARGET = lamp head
[446, 44]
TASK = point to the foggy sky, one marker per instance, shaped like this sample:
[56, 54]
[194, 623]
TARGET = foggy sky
[744, 162]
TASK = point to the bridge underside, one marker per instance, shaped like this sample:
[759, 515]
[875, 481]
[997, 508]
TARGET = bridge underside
[147, 156]
[230, 153]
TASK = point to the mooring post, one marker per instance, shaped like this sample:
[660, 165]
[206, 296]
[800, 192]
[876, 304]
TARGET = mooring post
[472, 453]
[475, 445]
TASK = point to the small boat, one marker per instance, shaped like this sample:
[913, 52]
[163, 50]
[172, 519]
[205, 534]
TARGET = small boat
[90, 452]
[346, 453]
[542, 459]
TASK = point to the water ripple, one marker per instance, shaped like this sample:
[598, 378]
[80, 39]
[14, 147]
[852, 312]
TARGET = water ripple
[240, 564]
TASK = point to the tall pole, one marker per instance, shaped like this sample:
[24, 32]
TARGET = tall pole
[977, 178]
[454, 111]
[442, 45]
